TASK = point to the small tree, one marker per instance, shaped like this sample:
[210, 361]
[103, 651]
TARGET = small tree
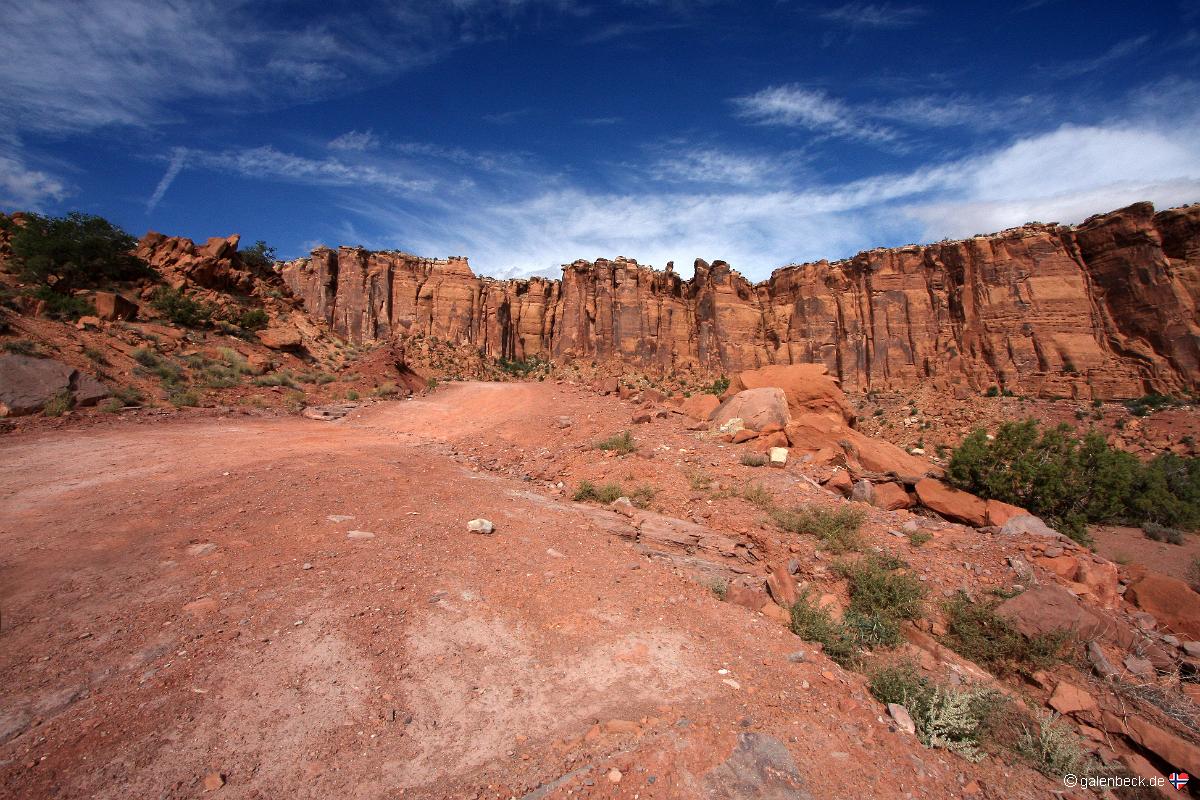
[259, 256]
[75, 251]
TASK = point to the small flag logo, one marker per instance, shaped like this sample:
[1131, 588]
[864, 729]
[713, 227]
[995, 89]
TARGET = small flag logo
[1178, 779]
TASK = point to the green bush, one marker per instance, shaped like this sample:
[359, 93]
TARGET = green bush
[351, 395]
[283, 378]
[1072, 481]
[606, 493]
[1161, 533]
[253, 319]
[59, 404]
[111, 406]
[622, 443]
[974, 630]
[918, 538]
[523, 367]
[759, 495]
[953, 719]
[179, 308]
[183, 397]
[258, 256]
[1148, 404]
[21, 347]
[754, 460]
[61, 306]
[1054, 749]
[838, 529]
[74, 251]
[717, 387]
[878, 590]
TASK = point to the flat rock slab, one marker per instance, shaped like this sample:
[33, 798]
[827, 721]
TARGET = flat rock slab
[760, 768]
[329, 413]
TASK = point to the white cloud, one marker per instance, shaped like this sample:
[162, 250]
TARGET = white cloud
[874, 15]
[814, 110]
[1063, 175]
[356, 141]
[68, 68]
[23, 188]
[178, 156]
[271, 164]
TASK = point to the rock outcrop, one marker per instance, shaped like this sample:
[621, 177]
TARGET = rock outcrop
[1104, 309]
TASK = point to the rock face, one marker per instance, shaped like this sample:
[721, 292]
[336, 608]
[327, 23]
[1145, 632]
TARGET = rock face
[27, 384]
[1104, 309]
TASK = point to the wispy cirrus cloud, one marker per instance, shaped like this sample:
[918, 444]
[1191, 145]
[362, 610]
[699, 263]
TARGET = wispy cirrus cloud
[134, 62]
[874, 15]
[885, 123]
[812, 109]
[1117, 52]
[174, 166]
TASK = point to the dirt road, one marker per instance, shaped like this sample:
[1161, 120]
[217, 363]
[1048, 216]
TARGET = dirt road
[268, 608]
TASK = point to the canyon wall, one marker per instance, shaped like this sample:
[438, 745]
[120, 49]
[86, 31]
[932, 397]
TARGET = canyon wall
[1105, 309]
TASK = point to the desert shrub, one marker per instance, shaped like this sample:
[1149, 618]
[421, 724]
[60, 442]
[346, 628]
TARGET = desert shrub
[719, 587]
[879, 590]
[1161, 533]
[815, 624]
[918, 538]
[351, 395]
[111, 406]
[754, 460]
[258, 256]
[758, 495]
[95, 355]
[128, 395]
[74, 251]
[386, 390]
[897, 683]
[282, 378]
[59, 404]
[587, 491]
[253, 319]
[523, 367]
[1053, 748]
[838, 529]
[1072, 481]
[698, 479]
[21, 347]
[975, 631]
[642, 495]
[183, 397]
[179, 308]
[954, 719]
[295, 400]
[717, 387]
[1193, 574]
[622, 443]
[147, 358]
[1148, 404]
[62, 306]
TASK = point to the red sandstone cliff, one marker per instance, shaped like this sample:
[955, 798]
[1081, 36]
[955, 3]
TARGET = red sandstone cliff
[1107, 308]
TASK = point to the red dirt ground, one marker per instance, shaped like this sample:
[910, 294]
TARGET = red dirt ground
[137, 660]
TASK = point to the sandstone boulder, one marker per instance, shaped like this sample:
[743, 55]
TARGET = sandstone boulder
[1047, 609]
[840, 482]
[281, 337]
[27, 384]
[953, 504]
[808, 388]
[757, 408]
[1171, 601]
[998, 513]
[700, 406]
[890, 497]
[111, 306]
[782, 586]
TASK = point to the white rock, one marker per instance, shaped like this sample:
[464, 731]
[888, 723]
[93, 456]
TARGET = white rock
[360, 535]
[903, 719]
[733, 425]
[339, 517]
[481, 525]
[779, 456]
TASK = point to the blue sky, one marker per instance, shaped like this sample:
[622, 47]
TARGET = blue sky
[528, 133]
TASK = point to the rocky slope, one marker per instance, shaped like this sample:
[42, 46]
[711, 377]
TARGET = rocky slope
[1105, 309]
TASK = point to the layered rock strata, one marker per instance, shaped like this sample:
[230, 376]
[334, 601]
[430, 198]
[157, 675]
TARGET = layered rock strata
[1104, 309]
